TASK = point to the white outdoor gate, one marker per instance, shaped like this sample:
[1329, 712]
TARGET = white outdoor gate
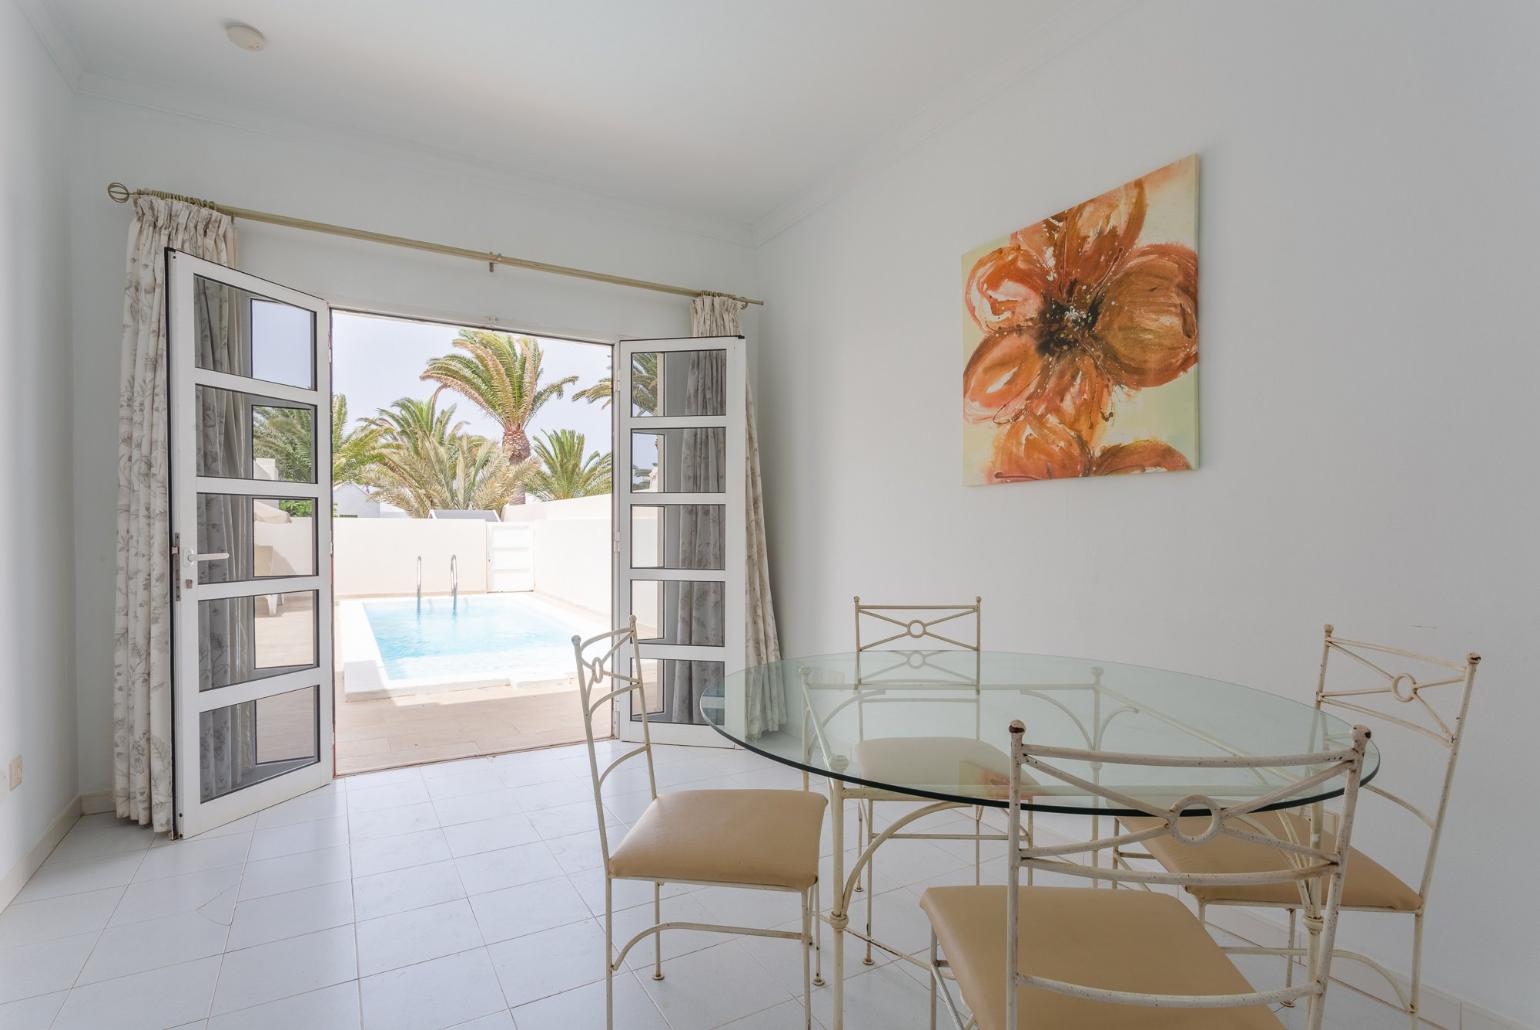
[510, 556]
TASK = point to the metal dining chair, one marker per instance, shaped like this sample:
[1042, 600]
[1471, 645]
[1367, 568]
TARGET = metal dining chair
[1070, 958]
[954, 627]
[753, 839]
[1433, 708]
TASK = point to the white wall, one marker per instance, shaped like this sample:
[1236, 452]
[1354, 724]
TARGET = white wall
[572, 549]
[291, 170]
[1368, 372]
[375, 557]
[37, 701]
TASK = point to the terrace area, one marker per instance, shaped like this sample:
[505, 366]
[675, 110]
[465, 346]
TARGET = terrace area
[480, 660]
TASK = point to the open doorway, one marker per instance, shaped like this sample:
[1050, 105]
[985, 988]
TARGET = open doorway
[471, 493]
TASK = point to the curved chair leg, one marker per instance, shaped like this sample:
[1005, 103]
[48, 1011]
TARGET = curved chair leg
[934, 1001]
[1416, 986]
[657, 937]
[818, 980]
[1288, 968]
[860, 835]
[609, 955]
[871, 891]
[978, 845]
[807, 946]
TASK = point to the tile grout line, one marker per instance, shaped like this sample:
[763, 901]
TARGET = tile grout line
[475, 920]
[97, 943]
[358, 980]
[219, 974]
[235, 904]
[209, 1015]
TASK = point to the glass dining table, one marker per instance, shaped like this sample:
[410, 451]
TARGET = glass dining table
[921, 725]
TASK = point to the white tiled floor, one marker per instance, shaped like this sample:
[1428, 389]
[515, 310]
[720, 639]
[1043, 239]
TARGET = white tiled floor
[456, 895]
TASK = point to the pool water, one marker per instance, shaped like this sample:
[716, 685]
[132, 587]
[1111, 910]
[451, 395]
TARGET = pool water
[482, 637]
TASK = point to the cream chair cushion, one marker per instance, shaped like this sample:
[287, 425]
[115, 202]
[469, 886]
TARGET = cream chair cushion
[1369, 885]
[763, 838]
[1123, 940]
[941, 764]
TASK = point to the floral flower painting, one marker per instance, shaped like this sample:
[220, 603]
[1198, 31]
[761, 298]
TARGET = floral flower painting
[1081, 338]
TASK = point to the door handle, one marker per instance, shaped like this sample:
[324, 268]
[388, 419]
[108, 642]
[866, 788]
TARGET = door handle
[192, 558]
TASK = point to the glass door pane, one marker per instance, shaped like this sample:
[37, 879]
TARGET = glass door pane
[243, 436]
[264, 537]
[255, 741]
[258, 337]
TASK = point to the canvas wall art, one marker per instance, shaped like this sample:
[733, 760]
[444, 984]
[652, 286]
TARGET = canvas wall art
[1080, 334]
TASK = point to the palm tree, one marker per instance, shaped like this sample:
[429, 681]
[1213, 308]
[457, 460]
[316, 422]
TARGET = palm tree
[644, 385]
[285, 435]
[408, 422]
[425, 460]
[564, 472]
[500, 374]
[460, 472]
[353, 451]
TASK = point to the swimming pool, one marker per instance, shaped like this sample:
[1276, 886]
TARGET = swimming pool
[484, 636]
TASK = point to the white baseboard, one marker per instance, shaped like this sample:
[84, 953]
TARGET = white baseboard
[97, 802]
[18, 875]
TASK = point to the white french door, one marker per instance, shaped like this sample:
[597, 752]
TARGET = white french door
[679, 486]
[250, 434]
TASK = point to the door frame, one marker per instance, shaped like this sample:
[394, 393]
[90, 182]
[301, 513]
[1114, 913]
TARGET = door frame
[192, 814]
[733, 574]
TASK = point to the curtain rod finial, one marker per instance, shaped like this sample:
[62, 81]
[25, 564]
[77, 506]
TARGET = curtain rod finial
[118, 192]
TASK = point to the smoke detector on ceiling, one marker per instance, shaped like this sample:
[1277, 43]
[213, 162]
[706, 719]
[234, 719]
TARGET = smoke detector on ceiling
[245, 37]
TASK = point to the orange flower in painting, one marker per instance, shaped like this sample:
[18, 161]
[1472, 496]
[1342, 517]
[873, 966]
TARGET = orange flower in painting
[1073, 308]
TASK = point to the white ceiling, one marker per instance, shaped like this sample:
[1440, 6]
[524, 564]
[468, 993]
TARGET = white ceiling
[726, 109]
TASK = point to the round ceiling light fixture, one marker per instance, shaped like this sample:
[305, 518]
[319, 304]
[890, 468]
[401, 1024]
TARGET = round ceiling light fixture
[245, 37]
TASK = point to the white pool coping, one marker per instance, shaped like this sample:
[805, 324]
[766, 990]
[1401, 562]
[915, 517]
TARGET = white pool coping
[363, 667]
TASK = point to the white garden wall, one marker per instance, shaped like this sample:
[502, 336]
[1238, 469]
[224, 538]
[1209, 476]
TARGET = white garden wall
[573, 546]
[377, 557]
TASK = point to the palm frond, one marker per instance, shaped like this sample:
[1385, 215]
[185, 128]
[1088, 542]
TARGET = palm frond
[564, 472]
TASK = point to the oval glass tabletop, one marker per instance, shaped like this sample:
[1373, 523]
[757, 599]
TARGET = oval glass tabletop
[934, 724]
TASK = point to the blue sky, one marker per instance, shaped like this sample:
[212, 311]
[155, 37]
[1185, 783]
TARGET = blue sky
[375, 360]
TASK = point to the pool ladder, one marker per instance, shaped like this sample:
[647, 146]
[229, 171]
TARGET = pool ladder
[419, 583]
[454, 582]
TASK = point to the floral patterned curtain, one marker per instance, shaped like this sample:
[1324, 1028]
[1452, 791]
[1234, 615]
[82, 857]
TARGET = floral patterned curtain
[227, 736]
[141, 691]
[698, 534]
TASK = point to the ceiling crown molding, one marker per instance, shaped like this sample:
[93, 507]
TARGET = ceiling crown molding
[56, 40]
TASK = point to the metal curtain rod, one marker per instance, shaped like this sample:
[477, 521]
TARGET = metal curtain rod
[121, 194]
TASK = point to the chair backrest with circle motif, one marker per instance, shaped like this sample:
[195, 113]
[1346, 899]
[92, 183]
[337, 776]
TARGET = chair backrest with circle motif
[1312, 860]
[1427, 696]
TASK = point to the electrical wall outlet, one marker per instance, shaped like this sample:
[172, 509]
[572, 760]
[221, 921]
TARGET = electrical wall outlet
[15, 772]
